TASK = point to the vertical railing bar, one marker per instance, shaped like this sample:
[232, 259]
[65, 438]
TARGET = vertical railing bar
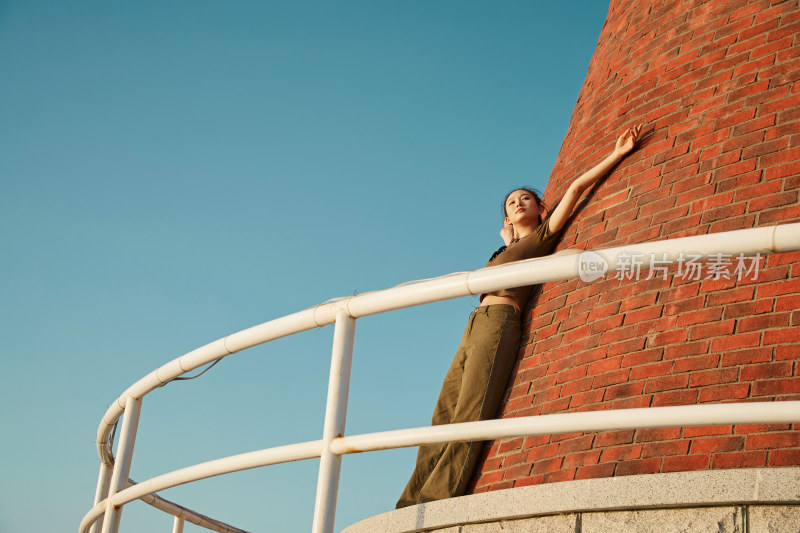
[335, 415]
[177, 525]
[103, 484]
[122, 465]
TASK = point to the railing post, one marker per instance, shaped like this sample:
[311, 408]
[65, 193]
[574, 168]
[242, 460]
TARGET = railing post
[122, 465]
[335, 414]
[177, 525]
[103, 482]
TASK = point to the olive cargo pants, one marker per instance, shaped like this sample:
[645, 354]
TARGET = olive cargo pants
[472, 390]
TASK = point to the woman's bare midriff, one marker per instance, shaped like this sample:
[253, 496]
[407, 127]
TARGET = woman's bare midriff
[491, 299]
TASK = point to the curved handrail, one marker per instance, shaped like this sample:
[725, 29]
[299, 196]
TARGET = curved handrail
[559, 266]
[590, 421]
[226, 465]
[190, 516]
[550, 268]
[783, 412]
[168, 507]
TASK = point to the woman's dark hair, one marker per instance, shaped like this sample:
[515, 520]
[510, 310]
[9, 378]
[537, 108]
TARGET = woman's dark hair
[537, 196]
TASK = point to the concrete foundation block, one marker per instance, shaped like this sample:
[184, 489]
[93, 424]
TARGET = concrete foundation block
[542, 524]
[774, 519]
[698, 520]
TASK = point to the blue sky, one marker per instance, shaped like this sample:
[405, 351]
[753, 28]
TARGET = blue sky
[172, 172]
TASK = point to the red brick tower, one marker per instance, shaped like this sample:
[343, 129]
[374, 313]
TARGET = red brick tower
[719, 83]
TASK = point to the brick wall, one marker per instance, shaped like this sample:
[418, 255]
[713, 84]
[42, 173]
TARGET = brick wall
[718, 82]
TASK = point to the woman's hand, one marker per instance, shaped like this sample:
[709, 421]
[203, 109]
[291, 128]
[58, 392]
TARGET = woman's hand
[507, 233]
[625, 144]
[627, 141]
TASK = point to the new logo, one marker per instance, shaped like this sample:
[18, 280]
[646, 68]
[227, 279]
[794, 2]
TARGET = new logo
[591, 266]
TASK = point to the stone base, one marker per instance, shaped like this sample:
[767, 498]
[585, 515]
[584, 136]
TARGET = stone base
[753, 500]
[743, 519]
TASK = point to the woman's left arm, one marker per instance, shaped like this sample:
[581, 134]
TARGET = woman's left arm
[625, 143]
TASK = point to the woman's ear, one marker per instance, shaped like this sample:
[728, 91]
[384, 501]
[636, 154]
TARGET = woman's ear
[506, 220]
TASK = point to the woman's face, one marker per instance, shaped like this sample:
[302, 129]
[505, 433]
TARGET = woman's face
[521, 207]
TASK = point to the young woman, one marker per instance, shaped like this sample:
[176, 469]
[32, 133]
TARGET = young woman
[475, 383]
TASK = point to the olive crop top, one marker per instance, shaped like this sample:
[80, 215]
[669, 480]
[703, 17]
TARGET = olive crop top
[538, 243]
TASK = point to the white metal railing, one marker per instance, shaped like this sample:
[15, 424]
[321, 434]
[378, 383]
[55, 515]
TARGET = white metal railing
[113, 490]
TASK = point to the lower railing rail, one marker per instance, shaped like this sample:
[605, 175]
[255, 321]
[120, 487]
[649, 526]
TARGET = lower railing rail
[114, 489]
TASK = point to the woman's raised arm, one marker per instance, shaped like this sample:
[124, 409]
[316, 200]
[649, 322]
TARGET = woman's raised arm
[625, 143]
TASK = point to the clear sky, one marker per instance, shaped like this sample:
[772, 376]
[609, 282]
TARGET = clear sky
[173, 172]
